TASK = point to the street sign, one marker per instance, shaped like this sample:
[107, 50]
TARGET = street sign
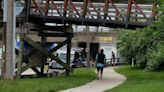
[4, 7]
[19, 6]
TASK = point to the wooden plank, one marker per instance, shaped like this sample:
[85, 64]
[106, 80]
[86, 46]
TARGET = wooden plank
[56, 28]
[30, 65]
[25, 59]
[27, 66]
[61, 63]
[31, 52]
[35, 45]
[45, 52]
[56, 34]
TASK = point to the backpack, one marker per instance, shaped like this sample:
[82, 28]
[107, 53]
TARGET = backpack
[101, 58]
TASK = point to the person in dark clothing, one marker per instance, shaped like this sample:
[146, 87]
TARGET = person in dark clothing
[76, 59]
[100, 61]
[113, 58]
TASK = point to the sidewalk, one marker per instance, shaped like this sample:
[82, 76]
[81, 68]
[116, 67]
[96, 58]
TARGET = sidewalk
[110, 79]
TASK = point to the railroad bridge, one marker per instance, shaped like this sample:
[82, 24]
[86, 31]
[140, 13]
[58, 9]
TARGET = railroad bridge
[51, 18]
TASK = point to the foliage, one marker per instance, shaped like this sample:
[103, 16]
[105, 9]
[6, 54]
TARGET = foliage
[139, 80]
[144, 44]
[124, 44]
[156, 58]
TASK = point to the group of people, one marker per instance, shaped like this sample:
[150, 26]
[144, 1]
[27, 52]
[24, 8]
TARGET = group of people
[100, 63]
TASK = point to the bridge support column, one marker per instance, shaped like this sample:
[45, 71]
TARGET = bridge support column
[68, 54]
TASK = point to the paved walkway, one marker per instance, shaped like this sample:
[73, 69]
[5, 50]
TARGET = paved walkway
[110, 79]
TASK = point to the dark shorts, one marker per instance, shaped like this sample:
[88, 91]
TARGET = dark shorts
[100, 67]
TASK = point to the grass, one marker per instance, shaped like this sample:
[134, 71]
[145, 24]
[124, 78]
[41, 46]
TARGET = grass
[53, 84]
[139, 80]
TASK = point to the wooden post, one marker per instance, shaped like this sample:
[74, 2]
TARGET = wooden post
[68, 54]
[21, 52]
[43, 40]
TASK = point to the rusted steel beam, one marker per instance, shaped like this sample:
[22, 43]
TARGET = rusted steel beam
[37, 7]
[98, 14]
[65, 7]
[117, 11]
[106, 6]
[133, 1]
[74, 7]
[85, 5]
[47, 7]
[55, 7]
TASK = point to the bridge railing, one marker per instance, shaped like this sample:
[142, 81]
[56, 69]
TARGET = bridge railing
[75, 10]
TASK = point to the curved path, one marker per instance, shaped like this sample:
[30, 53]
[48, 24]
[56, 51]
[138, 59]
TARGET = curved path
[110, 79]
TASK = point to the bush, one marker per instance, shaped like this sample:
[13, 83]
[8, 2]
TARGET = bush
[156, 58]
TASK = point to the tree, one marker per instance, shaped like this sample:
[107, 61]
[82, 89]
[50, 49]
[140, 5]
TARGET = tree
[146, 45]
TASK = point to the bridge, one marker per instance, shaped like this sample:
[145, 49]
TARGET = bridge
[37, 16]
[109, 14]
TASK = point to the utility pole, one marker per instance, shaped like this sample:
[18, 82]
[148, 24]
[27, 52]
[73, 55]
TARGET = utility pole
[3, 63]
[9, 48]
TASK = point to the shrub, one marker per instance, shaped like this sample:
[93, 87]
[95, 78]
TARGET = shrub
[156, 58]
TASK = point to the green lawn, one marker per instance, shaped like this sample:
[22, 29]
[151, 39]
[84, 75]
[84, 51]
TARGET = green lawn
[54, 84]
[139, 80]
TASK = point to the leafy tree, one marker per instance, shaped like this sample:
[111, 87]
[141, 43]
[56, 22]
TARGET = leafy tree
[145, 46]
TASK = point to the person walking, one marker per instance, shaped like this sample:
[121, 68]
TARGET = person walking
[113, 58]
[100, 61]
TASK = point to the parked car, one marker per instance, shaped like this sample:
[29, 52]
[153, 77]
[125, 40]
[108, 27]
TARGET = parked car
[62, 54]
